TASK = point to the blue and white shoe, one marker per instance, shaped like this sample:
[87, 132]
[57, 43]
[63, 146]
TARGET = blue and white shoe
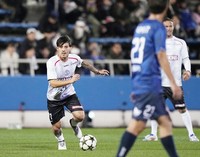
[193, 138]
[62, 145]
[150, 137]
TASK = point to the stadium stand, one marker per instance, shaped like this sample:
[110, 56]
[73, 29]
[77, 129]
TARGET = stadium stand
[16, 31]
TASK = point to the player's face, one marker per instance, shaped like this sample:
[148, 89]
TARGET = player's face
[169, 28]
[63, 51]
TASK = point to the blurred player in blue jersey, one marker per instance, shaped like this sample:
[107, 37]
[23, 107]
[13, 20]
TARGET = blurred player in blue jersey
[148, 55]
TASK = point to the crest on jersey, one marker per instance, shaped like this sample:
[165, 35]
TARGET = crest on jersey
[172, 57]
[67, 72]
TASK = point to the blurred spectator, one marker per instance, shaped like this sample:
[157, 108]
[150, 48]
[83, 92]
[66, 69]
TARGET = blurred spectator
[49, 23]
[115, 18]
[94, 51]
[9, 60]
[43, 53]
[120, 13]
[178, 29]
[80, 35]
[116, 52]
[46, 42]
[196, 17]
[29, 41]
[91, 11]
[70, 11]
[187, 21]
[103, 10]
[19, 11]
[75, 50]
[25, 68]
[53, 6]
[103, 14]
[27, 51]
[173, 9]
[138, 11]
[95, 54]
[44, 50]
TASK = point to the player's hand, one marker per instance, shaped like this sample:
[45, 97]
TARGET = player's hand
[75, 77]
[177, 92]
[103, 72]
[186, 75]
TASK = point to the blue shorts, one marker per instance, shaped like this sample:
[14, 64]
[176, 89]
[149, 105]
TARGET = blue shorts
[148, 106]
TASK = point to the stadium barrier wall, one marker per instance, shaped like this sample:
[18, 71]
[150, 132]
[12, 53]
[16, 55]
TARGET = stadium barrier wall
[107, 97]
[107, 118]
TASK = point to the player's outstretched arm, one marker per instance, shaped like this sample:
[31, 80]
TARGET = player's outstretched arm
[89, 66]
[60, 83]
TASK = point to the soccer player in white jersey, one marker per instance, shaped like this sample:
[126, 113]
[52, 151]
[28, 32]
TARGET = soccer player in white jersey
[61, 93]
[177, 53]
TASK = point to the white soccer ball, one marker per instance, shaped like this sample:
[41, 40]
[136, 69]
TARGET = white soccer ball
[88, 142]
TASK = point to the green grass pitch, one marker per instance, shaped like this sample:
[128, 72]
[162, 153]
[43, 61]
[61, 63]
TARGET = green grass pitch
[36, 142]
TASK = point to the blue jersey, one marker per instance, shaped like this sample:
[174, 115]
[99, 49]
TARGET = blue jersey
[148, 40]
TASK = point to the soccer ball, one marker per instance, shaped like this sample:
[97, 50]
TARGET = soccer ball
[88, 142]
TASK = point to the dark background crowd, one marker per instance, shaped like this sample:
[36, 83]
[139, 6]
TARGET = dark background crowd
[84, 21]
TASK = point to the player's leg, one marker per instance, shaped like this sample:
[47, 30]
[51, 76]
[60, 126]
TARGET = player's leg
[154, 126]
[153, 135]
[134, 128]
[78, 116]
[188, 124]
[181, 107]
[57, 130]
[165, 127]
[56, 112]
[74, 106]
[141, 113]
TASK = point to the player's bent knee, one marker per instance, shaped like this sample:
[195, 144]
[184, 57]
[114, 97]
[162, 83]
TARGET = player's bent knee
[79, 115]
[56, 126]
[183, 110]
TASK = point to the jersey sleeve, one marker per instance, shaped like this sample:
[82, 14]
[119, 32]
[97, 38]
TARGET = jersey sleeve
[51, 71]
[184, 50]
[160, 39]
[79, 60]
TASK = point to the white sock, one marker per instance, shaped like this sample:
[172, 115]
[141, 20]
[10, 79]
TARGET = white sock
[60, 137]
[154, 127]
[187, 121]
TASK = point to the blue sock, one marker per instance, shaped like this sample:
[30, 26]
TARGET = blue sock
[169, 146]
[127, 141]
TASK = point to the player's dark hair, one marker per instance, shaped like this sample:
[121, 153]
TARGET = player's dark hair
[62, 40]
[157, 6]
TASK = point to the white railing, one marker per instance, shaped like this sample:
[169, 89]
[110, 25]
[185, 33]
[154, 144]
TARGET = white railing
[109, 62]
